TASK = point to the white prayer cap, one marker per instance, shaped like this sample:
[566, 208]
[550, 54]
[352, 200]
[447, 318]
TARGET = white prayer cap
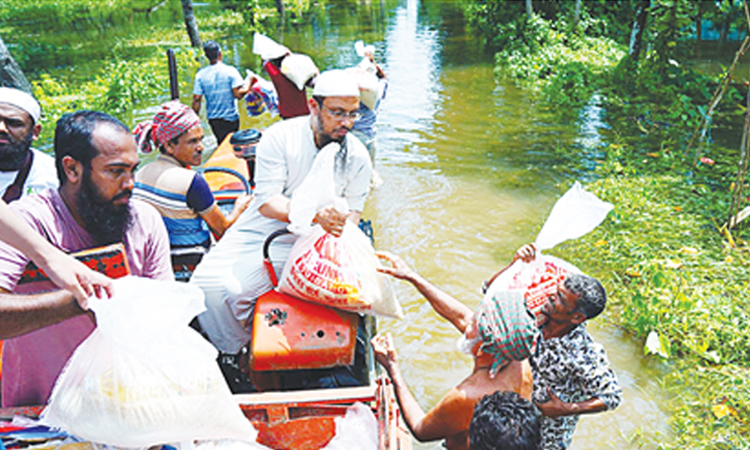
[21, 100]
[336, 83]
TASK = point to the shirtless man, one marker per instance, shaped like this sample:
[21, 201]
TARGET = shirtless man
[500, 336]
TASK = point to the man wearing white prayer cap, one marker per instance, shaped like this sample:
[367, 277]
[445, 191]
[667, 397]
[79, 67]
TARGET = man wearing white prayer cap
[232, 274]
[23, 170]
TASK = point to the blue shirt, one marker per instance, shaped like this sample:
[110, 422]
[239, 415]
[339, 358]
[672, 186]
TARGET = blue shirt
[215, 82]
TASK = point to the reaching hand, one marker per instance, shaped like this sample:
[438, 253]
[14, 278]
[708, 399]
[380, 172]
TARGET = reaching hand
[72, 275]
[397, 269]
[385, 352]
[527, 253]
[554, 407]
[331, 220]
[240, 204]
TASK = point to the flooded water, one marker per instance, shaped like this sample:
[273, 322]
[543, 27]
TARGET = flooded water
[471, 171]
[470, 174]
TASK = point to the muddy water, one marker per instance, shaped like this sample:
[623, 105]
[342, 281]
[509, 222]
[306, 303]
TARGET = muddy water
[470, 174]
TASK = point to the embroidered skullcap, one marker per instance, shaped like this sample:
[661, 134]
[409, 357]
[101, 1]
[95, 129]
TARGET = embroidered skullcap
[507, 328]
[171, 121]
[336, 83]
[21, 100]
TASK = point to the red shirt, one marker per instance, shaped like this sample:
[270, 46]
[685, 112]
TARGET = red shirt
[292, 101]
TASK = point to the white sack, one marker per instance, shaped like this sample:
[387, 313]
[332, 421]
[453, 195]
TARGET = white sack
[334, 271]
[576, 213]
[358, 429]
[267, 48]
[299, 69]
[144, 377]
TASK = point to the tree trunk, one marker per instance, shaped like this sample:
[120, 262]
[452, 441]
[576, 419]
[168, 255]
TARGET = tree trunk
[529, 9]
[11, 74]
[280, 7]
[192, 27]
[639, 26]
[576, 14]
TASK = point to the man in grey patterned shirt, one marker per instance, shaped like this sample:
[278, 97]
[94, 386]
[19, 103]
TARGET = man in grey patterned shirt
[572, 375]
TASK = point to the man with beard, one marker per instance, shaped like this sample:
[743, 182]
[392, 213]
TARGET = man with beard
[23, 170]
[95, 156]
[232, 275]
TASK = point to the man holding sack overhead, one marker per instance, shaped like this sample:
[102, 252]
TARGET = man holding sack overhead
[232, 275]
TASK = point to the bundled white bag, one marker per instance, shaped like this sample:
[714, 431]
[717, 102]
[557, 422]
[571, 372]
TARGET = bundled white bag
[267, 48]
[334, 271]
[369, 87]
[358, 429]
[144, 377]
[299, 69]
[574, 214]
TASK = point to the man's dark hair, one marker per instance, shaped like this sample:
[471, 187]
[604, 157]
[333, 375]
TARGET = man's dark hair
[505, 421]
[212, 50]
[592, 298]
[73, 138]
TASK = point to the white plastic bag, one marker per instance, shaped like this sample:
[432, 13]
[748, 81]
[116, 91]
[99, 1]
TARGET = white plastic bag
[144, 377]
[267, 48]
[574, 214]
[299, 69]
[358, 429]
[334, 271]
[368, 86]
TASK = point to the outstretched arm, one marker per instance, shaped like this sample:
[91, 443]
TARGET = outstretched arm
[448, 307]
[218, 222]
[64, 270]
[20, 314]
[448, 418]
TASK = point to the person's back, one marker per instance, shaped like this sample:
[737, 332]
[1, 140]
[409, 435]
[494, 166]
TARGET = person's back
[516, 377]
[216, 82]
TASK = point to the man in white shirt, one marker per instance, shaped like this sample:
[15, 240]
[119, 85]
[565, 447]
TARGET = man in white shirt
[232, 275]
[23, 170]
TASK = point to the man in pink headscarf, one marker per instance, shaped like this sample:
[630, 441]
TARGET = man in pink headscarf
[181, 195]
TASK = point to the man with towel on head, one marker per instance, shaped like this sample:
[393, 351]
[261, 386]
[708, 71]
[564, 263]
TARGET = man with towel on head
[232, 275]
[181, 196]
[23, 170]
[500, 336]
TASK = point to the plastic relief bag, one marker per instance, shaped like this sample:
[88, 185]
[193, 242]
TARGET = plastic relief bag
[358, 429]
[334, 271]
[574, 214]
[299, 69]
[144, 377]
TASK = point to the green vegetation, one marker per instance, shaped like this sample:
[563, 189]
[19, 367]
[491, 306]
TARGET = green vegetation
[678, 279]
[70, 68]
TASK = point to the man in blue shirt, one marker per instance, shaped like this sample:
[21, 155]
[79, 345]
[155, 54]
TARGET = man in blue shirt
[222, 85]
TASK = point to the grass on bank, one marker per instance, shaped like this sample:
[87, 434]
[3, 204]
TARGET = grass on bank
[676, 283]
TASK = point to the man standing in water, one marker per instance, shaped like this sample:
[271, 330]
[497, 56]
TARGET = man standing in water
[500, 336]
[572, 375]
[232, 275]
[222, 85]
[95, 156]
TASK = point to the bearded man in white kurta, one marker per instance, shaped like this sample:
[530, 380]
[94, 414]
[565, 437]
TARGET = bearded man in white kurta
[232, 274]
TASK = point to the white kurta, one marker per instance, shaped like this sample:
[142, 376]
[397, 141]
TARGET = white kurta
[232, 275]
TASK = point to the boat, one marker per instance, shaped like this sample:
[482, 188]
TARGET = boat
[306, 375]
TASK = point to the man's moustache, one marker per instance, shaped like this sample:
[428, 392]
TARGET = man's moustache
[124, 194]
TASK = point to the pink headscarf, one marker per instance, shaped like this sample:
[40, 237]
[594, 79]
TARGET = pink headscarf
[172, 120]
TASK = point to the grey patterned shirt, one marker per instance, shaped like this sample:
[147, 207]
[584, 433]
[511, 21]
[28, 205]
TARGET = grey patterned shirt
[576, 369]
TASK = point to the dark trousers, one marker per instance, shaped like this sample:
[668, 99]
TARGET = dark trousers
[222, 128]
